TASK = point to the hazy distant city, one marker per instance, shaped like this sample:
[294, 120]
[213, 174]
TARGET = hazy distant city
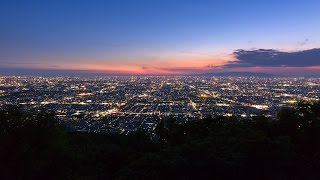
[126, 104]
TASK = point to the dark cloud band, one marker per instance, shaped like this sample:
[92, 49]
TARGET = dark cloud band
[275, 58]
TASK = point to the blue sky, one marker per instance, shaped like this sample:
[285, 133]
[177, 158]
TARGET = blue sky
[150, 36]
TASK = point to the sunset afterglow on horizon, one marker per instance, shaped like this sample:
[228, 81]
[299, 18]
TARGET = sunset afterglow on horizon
[161, 37]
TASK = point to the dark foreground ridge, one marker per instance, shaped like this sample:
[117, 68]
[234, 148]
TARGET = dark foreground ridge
[36, 146]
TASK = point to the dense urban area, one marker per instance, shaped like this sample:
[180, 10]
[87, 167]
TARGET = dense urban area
[125, 104]
[159, 127]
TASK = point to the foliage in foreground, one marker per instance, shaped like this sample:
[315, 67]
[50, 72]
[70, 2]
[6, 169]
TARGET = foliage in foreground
[35, 146]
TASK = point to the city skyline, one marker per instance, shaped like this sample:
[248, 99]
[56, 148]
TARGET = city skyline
[159, 37]
[125, 104]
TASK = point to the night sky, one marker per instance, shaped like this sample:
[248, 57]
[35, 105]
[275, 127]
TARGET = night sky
[159, 36]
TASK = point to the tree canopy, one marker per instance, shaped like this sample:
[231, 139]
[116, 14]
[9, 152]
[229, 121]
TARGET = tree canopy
[33, 145]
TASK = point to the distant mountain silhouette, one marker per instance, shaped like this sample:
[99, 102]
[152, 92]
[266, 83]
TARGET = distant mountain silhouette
[241, 74]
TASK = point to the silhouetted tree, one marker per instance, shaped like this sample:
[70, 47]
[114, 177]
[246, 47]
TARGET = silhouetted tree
[33, 145]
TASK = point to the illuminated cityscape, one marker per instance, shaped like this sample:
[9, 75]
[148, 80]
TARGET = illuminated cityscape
[160, 90]
[124, 104]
